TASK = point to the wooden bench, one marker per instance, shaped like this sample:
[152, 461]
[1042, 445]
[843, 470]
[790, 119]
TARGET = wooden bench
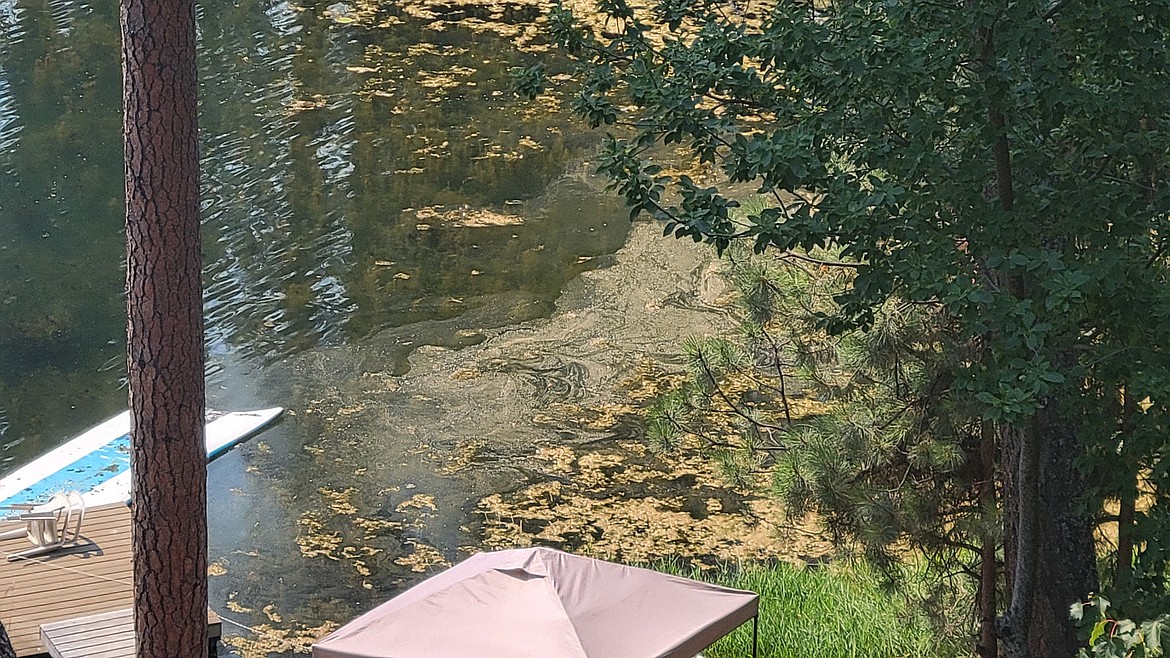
[105, 635]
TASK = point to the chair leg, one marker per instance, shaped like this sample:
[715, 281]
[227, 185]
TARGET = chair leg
[78, 501]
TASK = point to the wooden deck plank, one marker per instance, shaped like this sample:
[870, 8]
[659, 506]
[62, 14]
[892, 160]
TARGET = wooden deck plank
[121, 648]
[81, 624]
[120, 639]
[103, 640]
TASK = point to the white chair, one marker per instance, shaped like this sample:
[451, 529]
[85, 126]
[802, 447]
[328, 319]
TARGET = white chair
[50, 526]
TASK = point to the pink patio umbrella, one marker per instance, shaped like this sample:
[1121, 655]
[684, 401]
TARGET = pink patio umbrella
[542, 603]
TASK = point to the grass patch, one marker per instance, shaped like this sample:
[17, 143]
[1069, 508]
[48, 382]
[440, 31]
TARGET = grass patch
[838, 610]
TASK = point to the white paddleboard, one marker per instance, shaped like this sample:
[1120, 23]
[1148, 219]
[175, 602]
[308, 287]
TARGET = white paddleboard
[97, 463]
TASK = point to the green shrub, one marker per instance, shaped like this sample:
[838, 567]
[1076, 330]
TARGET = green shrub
[1120, 638]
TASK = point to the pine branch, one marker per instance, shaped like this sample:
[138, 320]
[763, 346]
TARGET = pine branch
[726, 400]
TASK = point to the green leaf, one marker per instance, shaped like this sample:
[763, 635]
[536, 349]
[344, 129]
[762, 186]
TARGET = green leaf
[1098, 631]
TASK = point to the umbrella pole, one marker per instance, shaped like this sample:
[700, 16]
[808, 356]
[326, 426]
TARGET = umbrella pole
[755, 634]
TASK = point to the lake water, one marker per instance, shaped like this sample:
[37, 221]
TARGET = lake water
[363, 168]
[368, 180]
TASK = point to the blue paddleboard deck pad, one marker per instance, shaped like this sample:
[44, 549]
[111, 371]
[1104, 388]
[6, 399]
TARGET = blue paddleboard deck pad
[97, 463]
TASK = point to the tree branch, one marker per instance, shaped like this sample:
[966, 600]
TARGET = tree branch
[817, 261]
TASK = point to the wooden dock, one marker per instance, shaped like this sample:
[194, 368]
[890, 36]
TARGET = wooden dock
[92, 578]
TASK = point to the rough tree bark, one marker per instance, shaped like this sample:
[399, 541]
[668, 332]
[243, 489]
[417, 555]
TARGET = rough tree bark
[1066, 564]
[1051, 562]
[165, 328]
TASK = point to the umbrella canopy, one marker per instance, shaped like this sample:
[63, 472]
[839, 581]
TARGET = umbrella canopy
[542, 603]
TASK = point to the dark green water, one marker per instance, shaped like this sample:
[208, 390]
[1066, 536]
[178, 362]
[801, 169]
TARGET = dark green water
[340, 144]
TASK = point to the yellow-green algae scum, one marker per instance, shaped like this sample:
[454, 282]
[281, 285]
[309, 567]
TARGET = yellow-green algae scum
[530, 436]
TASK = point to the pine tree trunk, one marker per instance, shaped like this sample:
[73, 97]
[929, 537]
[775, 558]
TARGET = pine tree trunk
[165, 328]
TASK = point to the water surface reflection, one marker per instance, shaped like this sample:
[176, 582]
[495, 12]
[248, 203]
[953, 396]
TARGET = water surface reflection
[344, 149]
